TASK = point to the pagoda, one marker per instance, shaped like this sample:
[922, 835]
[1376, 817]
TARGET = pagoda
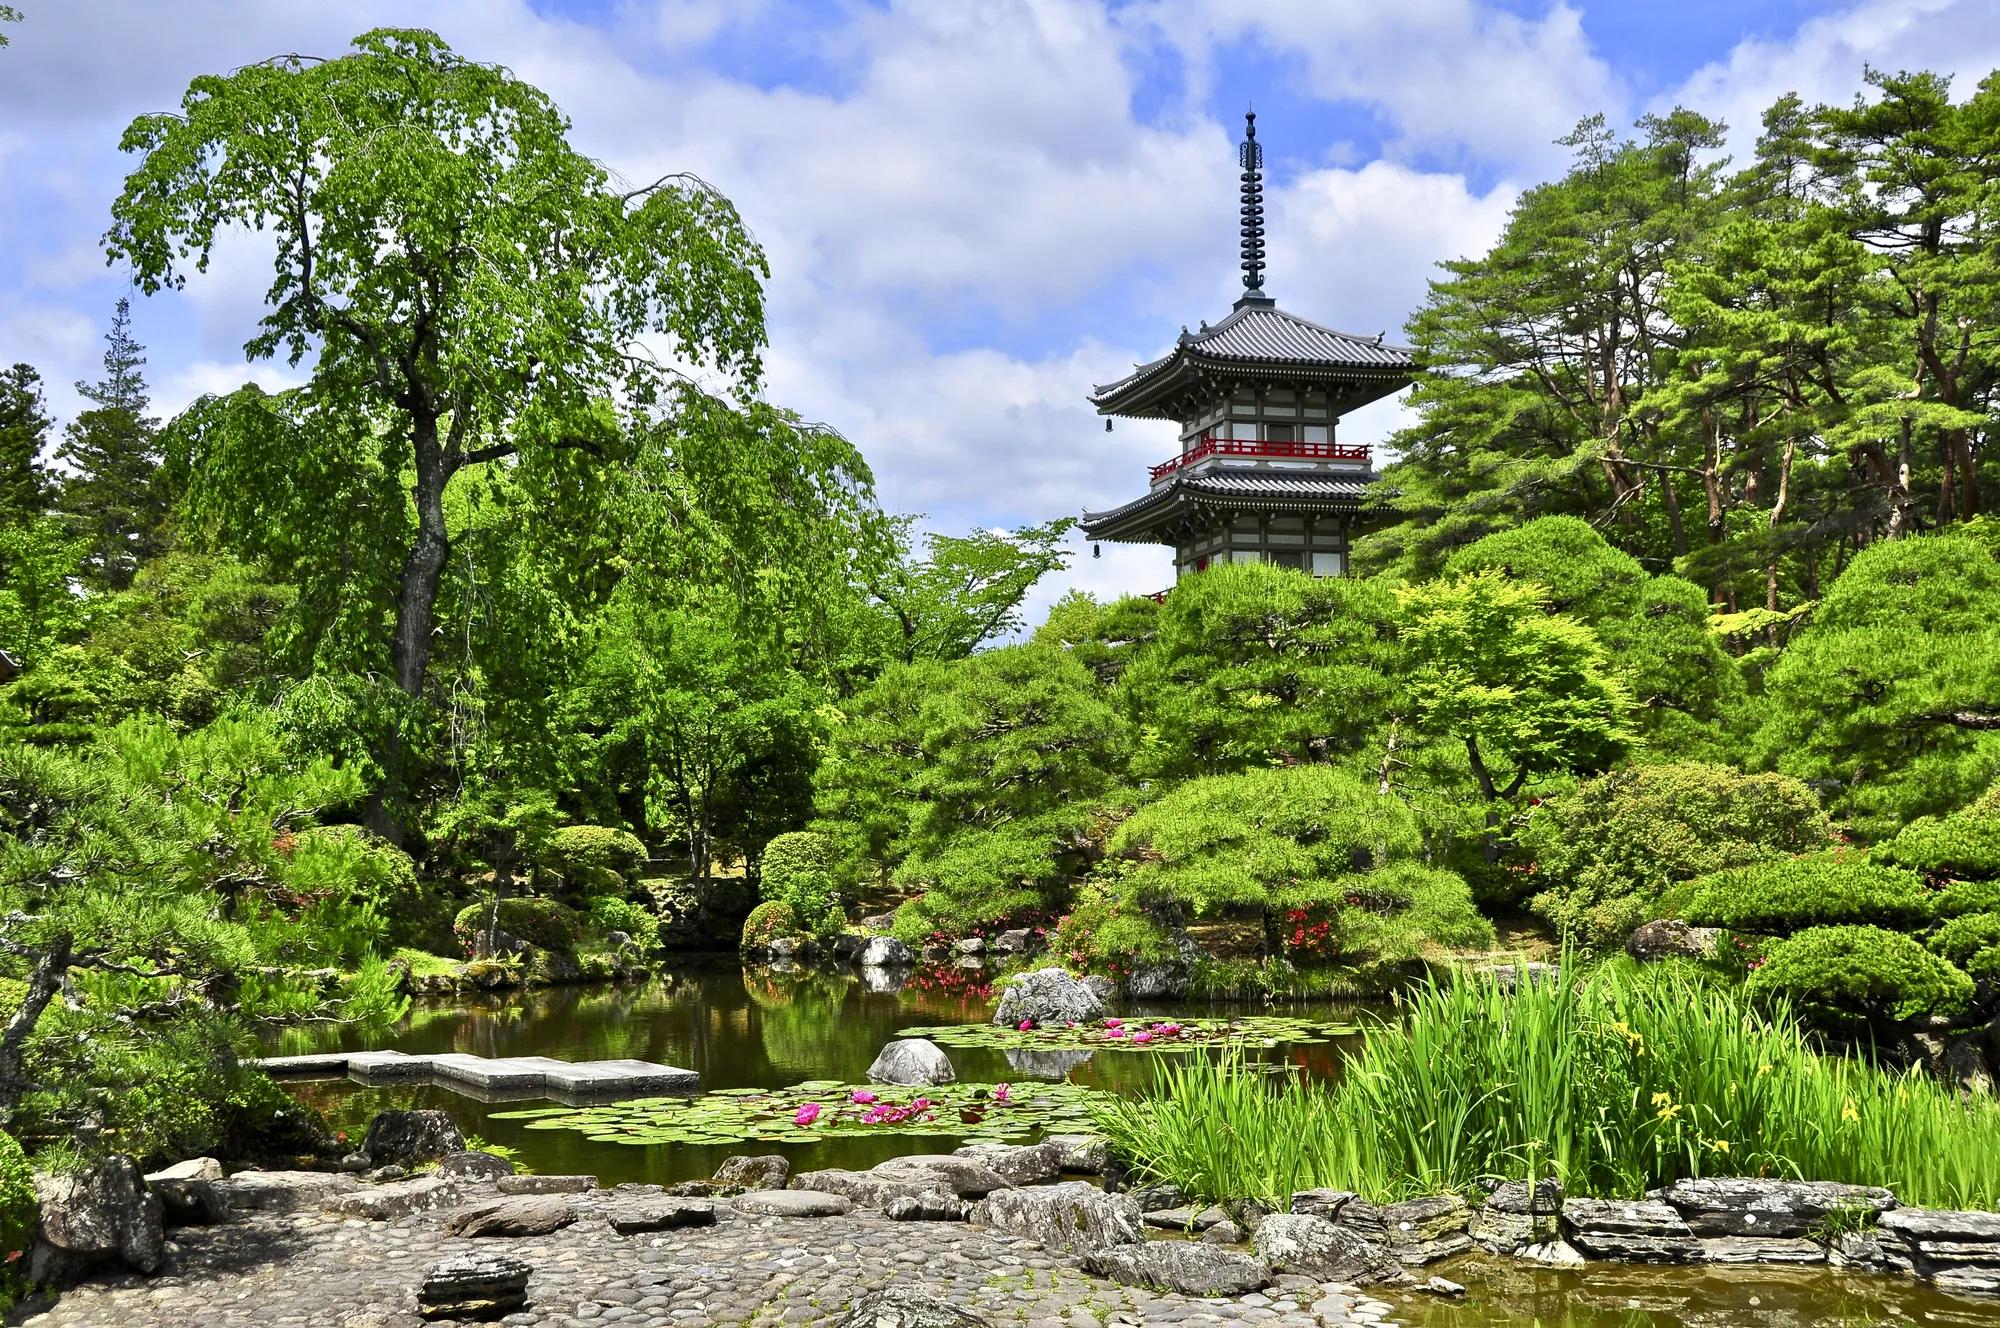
[1261, 475]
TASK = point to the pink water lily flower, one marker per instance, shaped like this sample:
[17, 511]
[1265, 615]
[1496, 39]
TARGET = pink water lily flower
[1027, 1024]
[861, 1097]
[1114, 1023]
[1001, 1092]
[1115, 1033]
[1142, 1036]
[807, 1114]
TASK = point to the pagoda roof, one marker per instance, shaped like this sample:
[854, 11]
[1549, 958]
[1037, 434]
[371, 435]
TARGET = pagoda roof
[1257, 340]
[1191, 499]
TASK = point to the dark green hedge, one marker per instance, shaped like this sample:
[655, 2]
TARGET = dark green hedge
[1786, 895]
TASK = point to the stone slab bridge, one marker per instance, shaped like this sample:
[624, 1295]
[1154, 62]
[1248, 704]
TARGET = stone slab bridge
[494, 1078]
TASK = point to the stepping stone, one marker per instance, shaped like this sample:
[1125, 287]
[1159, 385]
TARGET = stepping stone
[385, 1203]
[545, 1184]
[474, 1286]
[632, 1217]
[283, 1191]
[792, 1203]
[530, 1215]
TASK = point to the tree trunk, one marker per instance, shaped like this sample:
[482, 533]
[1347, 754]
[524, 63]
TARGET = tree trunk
[43, 983]
[1899, 491]
[423, 568]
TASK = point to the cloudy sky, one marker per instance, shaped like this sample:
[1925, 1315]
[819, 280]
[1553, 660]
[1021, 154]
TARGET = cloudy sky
[974, 208]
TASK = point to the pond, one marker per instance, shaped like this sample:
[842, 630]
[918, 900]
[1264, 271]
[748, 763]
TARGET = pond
[755, 1029]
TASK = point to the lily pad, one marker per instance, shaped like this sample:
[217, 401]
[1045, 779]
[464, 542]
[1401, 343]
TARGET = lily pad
[737, 1115]
[1156, 1035]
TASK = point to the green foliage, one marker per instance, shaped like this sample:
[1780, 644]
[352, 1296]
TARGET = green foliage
[768, 921]
[968, 590]
[24, 429]
[1248, 664]
[1291, 839]
[1958, 940]
[1103, 933]
[801, 869]
[1860, 970]
[1610, 849]
[611, 913]
[1616, 1082]
[1962, 897]
[111, 500]
[18, 1212]
[545, 923]
[1956, 846]
[581, 854]
[1784, 895]
[1880, 695]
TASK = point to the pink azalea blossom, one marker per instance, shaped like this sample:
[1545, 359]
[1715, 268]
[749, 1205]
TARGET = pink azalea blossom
[807, 1114]
[861, 1097]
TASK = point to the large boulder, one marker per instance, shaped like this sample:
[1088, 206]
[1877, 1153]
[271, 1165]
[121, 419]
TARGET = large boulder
[1165, 981]
[96, 1218]
[963, 1176]
[527, 1215]
[195, 1168]
[474, 1286]
[936, 1206]
[1957, 1251]
[475, 1166]
[1646, 1232]
[1416, 1231]
[1771, 1209]
[907, 1307]
[411, 1138]
[1313, 1247]
[1518, 1214]
[766, 1171]
[1670, 938]
[886, 952]
[912, 1063]
[1021, 1164]
[1187, 1267]
[1048, 996]
[1071, 1218]
[190, 1203]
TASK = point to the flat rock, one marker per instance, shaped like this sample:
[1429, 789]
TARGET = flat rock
[1761, 1249]
[1554, 1253]
[934, 1206]
[1942, 1244]
[864, 1189]
[912, 1063]
[1087, 1153]
[1322, 1203]
[545, 1184]
[908, 1307]
[190, 1202]
[1751, 1206]
[632, 1216]
[962, 1176]
[195, 1168]
[408, 1138]
[1048, 996]
[284, 1191]
[1189, 1268]
[766, 1171]
[475, 1166]
[1020, 1164]
[527, 1215]
[1316, 1248]
[474, 1286]
[1542, 1198]
[1160, 1194]
[386, 1203]
[1070, 1218]
[1421, 1231]
[1641, 1232]
[792, 1203]
[1184, 1218]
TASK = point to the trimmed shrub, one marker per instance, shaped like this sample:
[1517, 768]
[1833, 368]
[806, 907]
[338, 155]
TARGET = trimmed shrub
[610, 913]
[1962, 897]
[1961, 938]
[1614, 846]
[1954, 846]
[1820, 890]
[768, 921]
[540, 922]
[800, 868]
[1861, 971]
[1103, 934]
[17, 1217]
[582, 854]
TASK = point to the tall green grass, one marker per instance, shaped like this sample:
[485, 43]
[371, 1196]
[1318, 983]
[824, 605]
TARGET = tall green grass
[1616, 1082]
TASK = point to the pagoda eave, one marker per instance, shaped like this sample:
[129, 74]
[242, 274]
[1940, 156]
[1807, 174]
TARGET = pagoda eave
[1190, 502]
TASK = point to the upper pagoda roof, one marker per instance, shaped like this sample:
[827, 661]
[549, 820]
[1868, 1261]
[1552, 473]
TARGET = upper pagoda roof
[1258, 341]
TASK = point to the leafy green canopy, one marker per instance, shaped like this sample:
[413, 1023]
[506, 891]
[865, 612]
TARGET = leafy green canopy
[1861, 970]
[113, 500]
[1892, 693]
[1784, 895]
[1612, 848]
[1298, 839]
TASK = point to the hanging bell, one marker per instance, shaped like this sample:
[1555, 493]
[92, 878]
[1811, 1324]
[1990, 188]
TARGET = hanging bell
[1096, 551]
[1107, 424]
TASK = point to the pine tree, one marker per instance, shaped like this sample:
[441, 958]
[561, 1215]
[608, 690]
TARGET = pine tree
[113, 501]
[24, 429]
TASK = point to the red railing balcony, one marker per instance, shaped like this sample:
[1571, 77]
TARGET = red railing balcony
[1210, 446]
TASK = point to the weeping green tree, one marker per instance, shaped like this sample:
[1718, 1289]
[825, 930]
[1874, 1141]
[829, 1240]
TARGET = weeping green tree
[469, 287]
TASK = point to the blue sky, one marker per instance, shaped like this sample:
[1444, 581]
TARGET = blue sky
[974, 208]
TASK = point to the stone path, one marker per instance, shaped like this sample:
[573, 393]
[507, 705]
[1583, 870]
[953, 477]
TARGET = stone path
[313, 1270]
[491, 1076]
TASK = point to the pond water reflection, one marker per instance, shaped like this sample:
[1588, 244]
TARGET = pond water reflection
[753, 1028]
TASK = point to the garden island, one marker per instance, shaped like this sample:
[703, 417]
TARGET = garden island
[509, 829]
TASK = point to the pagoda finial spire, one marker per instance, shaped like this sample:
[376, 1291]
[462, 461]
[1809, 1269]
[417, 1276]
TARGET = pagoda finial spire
[1251, 157]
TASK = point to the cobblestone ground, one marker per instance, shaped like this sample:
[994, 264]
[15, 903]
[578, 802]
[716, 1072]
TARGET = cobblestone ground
[310, 1270]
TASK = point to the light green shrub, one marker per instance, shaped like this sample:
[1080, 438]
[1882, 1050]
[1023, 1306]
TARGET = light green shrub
[1952, 846]
[17, 1218]
[611, 913]
[768, 921]
[540, 922]
[1962, 938]
[1787, 895]
[1861, 971]
[800, 868]
[590, 856]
